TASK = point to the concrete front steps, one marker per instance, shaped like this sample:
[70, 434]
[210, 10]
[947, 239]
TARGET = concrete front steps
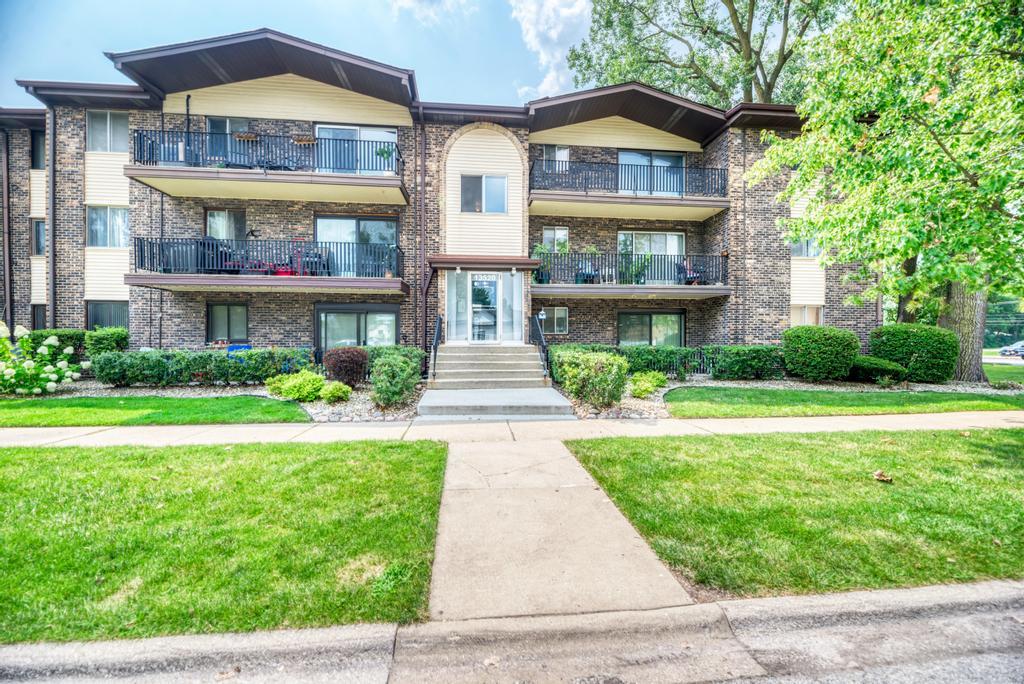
[480, 367]
[541, 403]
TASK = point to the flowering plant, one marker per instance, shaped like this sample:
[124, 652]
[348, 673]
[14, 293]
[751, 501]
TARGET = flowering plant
[24, 370]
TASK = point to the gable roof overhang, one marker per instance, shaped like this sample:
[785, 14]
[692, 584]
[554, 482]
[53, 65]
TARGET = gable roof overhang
[634, 101]
[104, 95]
[258, 54]
[454, 113]
[34, 119]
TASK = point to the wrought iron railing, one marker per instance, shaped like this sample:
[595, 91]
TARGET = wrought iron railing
[632, 179]
[537, 338]
[267, 257]
[438, 326]
[587, 268]
[270, 152]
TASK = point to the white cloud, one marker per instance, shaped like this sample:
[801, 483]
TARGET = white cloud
[550, 28]
[432, 11]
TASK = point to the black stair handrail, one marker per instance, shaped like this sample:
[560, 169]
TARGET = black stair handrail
[438, 324]
[537, 338]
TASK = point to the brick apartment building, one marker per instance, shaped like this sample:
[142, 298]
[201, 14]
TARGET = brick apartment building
[260, 189]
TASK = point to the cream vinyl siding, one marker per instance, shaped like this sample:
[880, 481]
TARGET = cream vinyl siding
[614, 131]
[484, 152]
[37, 266]
[806, 282]
[104, 273]
[288, 96]
[37, 193]
[105, 182]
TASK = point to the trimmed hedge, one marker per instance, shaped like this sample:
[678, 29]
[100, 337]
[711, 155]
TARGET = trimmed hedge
[105, 340]
[928, 352]
[819, 353]
[645, 383]
[745, 362]
[302, 386]
[66, 337]
[394, 377]
[596, 378]
[667, 359]
[347, 364]
[167, 368]
[872, 368]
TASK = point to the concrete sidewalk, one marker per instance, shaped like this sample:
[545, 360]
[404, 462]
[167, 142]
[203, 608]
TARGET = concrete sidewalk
[951, 633]
[498, 431]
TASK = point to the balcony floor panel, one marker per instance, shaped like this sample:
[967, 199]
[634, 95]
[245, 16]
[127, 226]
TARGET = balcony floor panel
[607, 291]
[182, 282]
[608, 205]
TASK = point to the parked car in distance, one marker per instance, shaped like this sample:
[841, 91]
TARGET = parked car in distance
[1015, 349]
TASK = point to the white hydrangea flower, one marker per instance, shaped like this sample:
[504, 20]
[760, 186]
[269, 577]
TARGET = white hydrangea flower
[4, 330]
[51, 387]
[48, 369]
[20, 391]
[36, 390]
[43, 350]
[29, 364]
[86, 365]
[53, 376]
[69, 350]
[76, 375]
[20, 331]
[51, 341]
[67, 380]
[8, 372]
[62, 364]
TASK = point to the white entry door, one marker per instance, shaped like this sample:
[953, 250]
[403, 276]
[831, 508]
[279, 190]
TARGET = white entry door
[485, 318]
[484, 307]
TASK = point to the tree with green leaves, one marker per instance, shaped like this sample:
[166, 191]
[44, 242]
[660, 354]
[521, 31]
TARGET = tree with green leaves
[912, 153]
[712, 51]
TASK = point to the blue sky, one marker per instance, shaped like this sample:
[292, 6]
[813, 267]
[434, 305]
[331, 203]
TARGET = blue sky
[472, 51]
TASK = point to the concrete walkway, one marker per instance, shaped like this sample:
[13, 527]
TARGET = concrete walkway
[525, 530]
[954, 633]
[497, 431]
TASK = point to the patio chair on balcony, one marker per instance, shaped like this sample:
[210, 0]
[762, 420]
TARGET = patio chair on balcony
[689, 274]
[587, 273]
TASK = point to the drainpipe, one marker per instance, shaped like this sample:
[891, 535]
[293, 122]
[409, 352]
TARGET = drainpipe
[52, 217]
[5, 176]
[424, 266]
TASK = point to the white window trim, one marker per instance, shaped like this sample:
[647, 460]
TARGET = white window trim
[803, 314]
[681, 234]
[549, 146]
[110, 131]
[552, 318]
[483, 193]
[108, 207]
[545, 229]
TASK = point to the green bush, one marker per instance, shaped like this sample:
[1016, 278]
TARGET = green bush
[66, 337]
[414, 354]
[873, 369]
[169, 368]
[302, 386]
[745, 362]
[347, 364]
[819, 353]
[596, 378]
[105, 340]
[394, 378]
[928, 352]
[334, 392]
[557, 352]
[645, 383]
[663, 358]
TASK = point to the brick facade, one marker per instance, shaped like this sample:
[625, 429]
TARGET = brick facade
[596, 320]
[19, 162]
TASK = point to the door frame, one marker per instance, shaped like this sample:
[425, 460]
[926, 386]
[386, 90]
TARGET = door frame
[497, 308]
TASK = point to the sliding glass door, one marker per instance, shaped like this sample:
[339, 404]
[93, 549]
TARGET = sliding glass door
[651, 173]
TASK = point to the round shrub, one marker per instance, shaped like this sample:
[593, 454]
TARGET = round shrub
[105, 340]
[347, 364]
[744, 362]
[595, 378]
[645, 383]
[928, 352]
[873, 369]
[334, 392]
[302, 386]
[819, 353]
[394, 378]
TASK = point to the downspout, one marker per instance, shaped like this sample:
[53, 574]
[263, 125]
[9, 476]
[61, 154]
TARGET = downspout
[52, 215]
[744, 314]
[5, 175]
[160, 296]
[424, 266]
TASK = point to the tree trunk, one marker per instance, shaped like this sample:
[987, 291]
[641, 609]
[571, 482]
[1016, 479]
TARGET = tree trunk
[964, 314]
[903, 314]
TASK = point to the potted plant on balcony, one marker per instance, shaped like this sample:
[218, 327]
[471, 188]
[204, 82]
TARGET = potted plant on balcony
[542, 274]
[633, 268]
[245, 136]
[303, 139]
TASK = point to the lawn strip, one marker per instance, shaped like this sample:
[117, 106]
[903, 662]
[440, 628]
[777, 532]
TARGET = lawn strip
[145, 410]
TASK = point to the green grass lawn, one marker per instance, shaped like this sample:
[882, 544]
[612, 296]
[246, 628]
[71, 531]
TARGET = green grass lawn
[740, 402]
[997, 371]
[774, 514]
[147, 411]
[134, 542]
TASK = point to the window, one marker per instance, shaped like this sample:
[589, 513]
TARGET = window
[655, 173]
[484, 194]
[38, 237]
[38, 149]
[106, 315]
[108, 227]
[225, 224]
[354, 325]
[556, 321]
[638, 328]
[805, 248]
[633, 242]
[367, 231]
[805, 315]
[555, 157]
[556, 239]
[38, 316]
[106, 131]
[227, 323]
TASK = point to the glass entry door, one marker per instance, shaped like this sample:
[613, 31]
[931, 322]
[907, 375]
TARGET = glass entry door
[485, 323]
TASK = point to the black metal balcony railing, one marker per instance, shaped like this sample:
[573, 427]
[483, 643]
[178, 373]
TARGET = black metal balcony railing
[632, 179]
[270, 152]
[267, 257]
[585, 268]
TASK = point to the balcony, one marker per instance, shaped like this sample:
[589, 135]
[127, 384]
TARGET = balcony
[596, 189]
[256, 166]
[209, 264]
[631, 276]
